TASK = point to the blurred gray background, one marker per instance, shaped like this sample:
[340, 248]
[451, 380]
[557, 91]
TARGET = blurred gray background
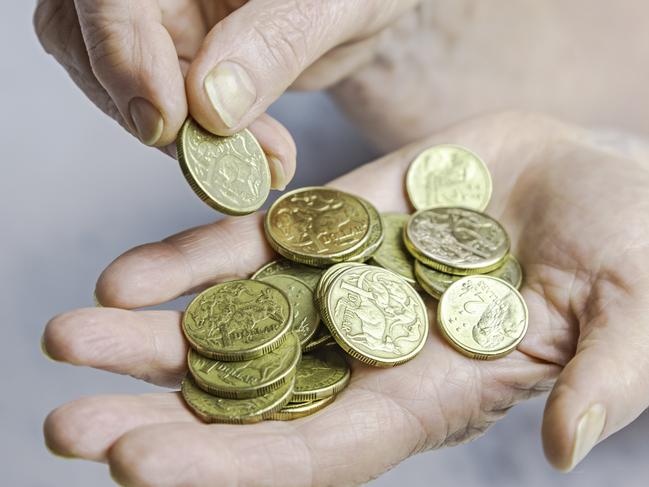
[76, 191]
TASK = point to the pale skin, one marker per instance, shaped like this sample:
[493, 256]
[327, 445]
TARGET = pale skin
[585, 280]
[410, 75]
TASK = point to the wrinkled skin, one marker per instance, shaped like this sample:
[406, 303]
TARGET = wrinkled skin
[575, 209]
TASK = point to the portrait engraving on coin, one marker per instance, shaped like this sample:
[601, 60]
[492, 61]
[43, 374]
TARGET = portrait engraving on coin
[458, 237]
[448, 175]
[319, 222]
[377, 312]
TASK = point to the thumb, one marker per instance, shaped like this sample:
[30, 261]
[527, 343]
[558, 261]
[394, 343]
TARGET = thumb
[604, 387]
[252, 56]
[134, 58]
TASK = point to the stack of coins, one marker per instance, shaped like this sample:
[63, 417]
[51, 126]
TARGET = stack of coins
[462, 255]
[275, 346]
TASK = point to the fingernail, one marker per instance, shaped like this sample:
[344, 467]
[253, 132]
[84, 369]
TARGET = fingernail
[147, 120]
[44, 350]
[277, 174]
[96, 300]
[231, 91]
[589, 430]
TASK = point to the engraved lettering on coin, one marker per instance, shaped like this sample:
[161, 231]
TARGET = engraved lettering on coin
[318, 222]
[378, 313]
[248, 378]
[232, 172]
[457, 238]
[235, 318]
[448, 175]
[223, 410]
[483, 316]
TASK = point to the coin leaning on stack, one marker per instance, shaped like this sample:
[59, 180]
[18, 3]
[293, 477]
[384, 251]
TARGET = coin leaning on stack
[275, 346]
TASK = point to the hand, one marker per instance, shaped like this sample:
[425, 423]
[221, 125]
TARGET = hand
[574, 209]
[148, 63]
[451, 60]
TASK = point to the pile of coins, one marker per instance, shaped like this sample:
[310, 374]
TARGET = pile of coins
[274, 346]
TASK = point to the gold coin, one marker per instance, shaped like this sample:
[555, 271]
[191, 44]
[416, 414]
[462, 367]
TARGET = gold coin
[322, 338]
[249, 378]
[392, 254]
[448, 175]
[456, 240]
[482, 316]
[230, 174]
[436, 282]
[317, 226]
[213, 409]
[375, 316]
[238, 320]
[320, 374]
[375, 236]
[309, 275]
[306, 317]
[296, 410]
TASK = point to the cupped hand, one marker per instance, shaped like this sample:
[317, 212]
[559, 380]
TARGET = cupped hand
[576, 211]
[150, 63]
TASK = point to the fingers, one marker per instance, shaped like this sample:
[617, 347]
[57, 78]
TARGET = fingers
[279, 147]
[252, 56]
[358, 436]
[605, 386]
[87, 427]
[148, 345]
[134, 58]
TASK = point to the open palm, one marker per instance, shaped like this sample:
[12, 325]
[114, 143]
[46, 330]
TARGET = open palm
[575, 212]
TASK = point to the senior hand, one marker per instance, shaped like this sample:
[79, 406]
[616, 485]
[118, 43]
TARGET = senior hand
[576, 213]
[148, 63]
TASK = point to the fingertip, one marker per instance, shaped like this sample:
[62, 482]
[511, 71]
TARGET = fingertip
[556, 429]
[280, 149]
[142, 276]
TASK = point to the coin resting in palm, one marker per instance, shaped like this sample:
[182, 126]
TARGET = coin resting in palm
[371, 312]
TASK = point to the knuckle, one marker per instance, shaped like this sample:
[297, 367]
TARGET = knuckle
[288, 33]
[53, 20]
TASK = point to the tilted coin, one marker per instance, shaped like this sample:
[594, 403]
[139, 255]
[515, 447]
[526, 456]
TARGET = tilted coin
[238, 320]
[392, 254]
[213, 409]
[320, 374]
[317, 226]
[248, 378]
[375, 316]
[375, 236]
[435, 282]
[306, 317]
[296, 410]
[448, 175]
[482, 316]
[230, 174]
[322, 338]
[309, 275]
[456, 240]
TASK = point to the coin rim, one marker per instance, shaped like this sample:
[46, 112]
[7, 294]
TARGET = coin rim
[301, 410]
[185, 166]
[311, 259]
[480, 354]
[366, 357]
[386, 217]
[445, 266]
[329, 390]
[248, 392]
[249, 419]
[411, 179]
[248, 354]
